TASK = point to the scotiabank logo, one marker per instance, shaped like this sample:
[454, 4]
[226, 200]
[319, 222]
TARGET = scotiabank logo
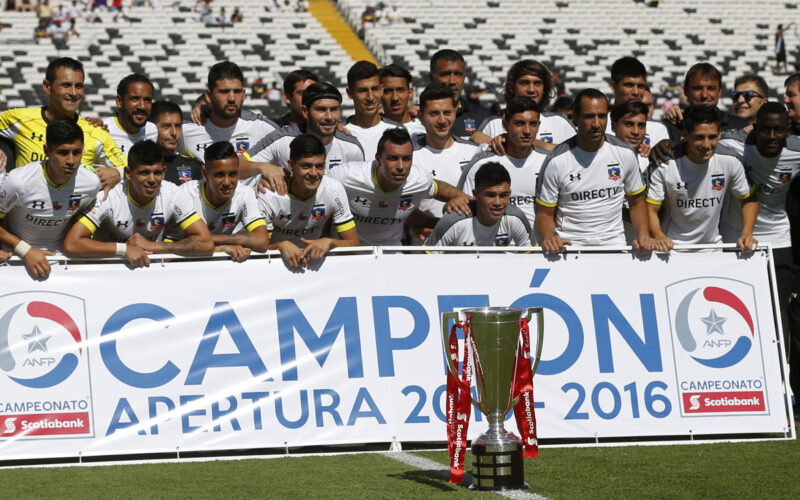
[45, 424]
[722, 402]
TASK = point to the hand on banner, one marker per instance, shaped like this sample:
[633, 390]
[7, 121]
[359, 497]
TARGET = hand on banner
[238, 253]
[136, 256]
[747, 243]
[315, 249]
[36, 262]
[292, 254]
[554, 244]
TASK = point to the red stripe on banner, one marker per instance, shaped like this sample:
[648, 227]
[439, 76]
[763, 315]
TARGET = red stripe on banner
[44, 424]
[721, 402]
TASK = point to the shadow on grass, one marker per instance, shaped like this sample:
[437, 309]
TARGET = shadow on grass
[438, 479]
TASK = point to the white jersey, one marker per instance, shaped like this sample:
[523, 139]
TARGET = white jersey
[241, 208]
[524, 174]
[289, 218]
[274, 148]
[415, 128]
[588, 188]
[553, 127]
[655, 132]
[124, 139]
[444, 165]
[118, 217]
[248, 130]
[379, 214]
[771, 177]
[369, 137]
[466, 230]
[39, 211]
[692, 194]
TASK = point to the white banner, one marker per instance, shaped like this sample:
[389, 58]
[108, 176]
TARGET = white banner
[101, 360]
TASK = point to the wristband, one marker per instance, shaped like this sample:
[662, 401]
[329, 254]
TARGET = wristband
[121, 249]
[22, 248]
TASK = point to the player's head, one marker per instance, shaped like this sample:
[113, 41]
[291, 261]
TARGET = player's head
[749, 94]
[394, 158]
[63, 147]
[448, 67]
[221, 170]
[145, 171]
[437, 107]
[168, 118]
[628, 79]
[702, 132]
[322, 109]
[293, 86]
[590, 115]
[364, 88]
[629, 122]
[307, 163]
[225, 92]
[521, 121]
[702, 85]
[134, 101]
[563, 105]
[63, 84]
[771, 128]
[397, 91]
[492, 192]
[792, 97]
[529, 78]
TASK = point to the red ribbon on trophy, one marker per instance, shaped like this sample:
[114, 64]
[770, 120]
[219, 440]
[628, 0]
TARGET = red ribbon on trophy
[524, 412]
[459, 399]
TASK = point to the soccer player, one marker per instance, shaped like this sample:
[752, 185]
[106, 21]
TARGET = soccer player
[396, 96]
[694, 184]
[293, 86]
[749, 93]
[439, 152]
[226, 121]
[629, 83]
[40, 199]
[448, 67]
[297, 221]
[168, 120]
[629, 122]
[385, 191]
[522, 159]
[584, 181]
[531, 79]
[792, 101]
[322, 109]
[134, 102]
[132, 219]
[365, 89]
[491, 221]
[224, 204]
[27, 127]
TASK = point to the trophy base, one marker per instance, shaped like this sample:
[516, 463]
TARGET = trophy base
[498, 466]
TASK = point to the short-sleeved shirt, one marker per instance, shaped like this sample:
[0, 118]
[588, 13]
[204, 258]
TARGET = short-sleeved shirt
[466, 230]
[289, 218]
[553, 127]
[415, 128]
[692, 194]
[27, 127]
[179, 169]
[444, 165]
[588, 189]
[380, 214]
[369, 137]
[118, 217]
[125, 140]
[37, 210]
[655, 132]
[241, 208]
[248, 130]
[524, 173]
[771, 178]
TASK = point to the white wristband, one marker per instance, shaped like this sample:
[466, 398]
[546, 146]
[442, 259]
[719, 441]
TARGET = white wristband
[22, 248]
[121, 249]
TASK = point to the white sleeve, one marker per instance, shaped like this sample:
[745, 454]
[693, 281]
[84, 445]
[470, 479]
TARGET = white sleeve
[249, 212]
[655, 185]
[632, 176]
[519, 233]
[182, 207]
[341, 206]
[9, 194]
[549, 187]
[740, 186]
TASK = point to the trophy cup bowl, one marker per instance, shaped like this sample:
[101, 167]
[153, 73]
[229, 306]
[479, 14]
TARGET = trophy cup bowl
[496, 454]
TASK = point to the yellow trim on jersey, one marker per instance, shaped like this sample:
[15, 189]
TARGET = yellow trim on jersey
[255, 225]
[2, 215]
[247, 156]
[748, 195]
[637, 191]
[88, 223]
[551, 205]
[375, 179]
[168, 240]
[435, 187]
[653, 202]
[345, 226]
[130, 198]
[203, 194]
[50, 181]
[189, 221]
[300, 199]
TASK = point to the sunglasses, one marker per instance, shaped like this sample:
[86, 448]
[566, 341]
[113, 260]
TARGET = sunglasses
[747, 94]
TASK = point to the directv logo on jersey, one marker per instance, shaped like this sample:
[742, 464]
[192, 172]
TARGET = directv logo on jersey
[614, 172]
[718, 183]
[318, 212]
[784, 177]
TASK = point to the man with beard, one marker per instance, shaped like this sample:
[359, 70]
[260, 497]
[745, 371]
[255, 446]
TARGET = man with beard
[134, 102]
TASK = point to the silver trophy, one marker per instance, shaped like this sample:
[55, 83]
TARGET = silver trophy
[497, 453]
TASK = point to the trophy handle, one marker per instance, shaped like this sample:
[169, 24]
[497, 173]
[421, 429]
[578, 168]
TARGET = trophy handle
[446, 317]
[539, 311]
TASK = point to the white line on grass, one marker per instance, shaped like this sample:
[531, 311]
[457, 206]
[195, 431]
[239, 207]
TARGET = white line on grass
[427, 464]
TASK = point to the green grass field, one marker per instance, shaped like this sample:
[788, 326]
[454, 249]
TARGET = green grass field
[728, 470]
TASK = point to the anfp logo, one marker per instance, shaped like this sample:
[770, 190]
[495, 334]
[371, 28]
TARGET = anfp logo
[40, 338]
